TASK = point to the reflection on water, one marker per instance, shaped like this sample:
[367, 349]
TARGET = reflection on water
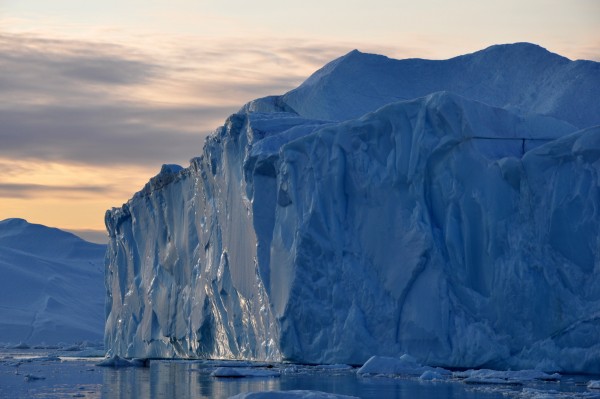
[191, 379]
[180, 379]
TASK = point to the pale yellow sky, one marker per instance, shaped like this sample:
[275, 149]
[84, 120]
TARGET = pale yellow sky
[97, 95]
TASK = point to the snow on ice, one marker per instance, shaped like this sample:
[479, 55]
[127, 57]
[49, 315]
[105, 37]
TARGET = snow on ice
[446, 209]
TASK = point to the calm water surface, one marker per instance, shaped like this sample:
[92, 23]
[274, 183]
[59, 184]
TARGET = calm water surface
[23, 377]
[185, 380]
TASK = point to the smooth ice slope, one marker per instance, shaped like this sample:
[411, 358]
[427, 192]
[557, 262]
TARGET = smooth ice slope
[319, 231]
[522, 77]
[51, 289]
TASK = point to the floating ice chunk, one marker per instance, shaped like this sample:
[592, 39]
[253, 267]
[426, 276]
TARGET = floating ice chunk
[485, 376]
[431, 375]
[231, 363]
[405, 365]
[291, 395]
[237, 372]
[594, 384]
[534, 393]
[334, 367]
[118, 362]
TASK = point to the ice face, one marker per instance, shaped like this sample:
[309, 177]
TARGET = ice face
[459, 232]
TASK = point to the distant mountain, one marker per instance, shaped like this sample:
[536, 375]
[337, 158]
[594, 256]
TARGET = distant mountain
[52, 285]
[523, 77]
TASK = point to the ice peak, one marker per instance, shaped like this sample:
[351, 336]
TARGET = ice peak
[354, 52]
[357, 56]
[170, 169]
[518, 53]
[13, 222]
[522, 77]
[19, 234]
[518, 47]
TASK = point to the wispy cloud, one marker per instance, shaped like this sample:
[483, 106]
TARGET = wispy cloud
[50, 70]
[97, 236]
[108, 104]
[90, 122]
[16, 190]
[105, 116]
[105, 134]
[96, 98]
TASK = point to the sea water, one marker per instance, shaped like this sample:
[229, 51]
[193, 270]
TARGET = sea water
[35, 374]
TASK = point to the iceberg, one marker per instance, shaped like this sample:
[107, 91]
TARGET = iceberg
[52, 287]
[445, 209]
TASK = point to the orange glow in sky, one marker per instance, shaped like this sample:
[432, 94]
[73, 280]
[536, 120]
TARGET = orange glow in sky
[98, 95]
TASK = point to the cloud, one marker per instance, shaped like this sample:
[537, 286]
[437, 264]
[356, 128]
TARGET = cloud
[105, 135]
[84, 124]
[39, 69]
[107, 104]
[16, 190]
[96, 236]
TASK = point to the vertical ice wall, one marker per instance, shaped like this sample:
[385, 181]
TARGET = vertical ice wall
[182, 271]
[463, 234]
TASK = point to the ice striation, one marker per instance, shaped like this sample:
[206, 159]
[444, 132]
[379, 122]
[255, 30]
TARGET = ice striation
[445, 209]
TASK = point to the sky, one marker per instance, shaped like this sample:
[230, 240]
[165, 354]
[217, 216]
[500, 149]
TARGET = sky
[97, 95]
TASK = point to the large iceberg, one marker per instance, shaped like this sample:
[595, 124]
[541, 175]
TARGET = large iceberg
[446, 209]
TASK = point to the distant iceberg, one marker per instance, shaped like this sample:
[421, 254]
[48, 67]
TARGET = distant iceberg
[445, 209]
[51, 287]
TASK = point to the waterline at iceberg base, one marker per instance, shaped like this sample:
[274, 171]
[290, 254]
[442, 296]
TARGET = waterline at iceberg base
[454, 217]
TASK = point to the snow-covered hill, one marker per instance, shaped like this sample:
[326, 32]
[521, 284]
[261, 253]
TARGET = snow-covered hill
[52, 285]
[369, 213]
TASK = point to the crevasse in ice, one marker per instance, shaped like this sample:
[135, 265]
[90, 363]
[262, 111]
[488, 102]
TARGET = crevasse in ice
[446, 209]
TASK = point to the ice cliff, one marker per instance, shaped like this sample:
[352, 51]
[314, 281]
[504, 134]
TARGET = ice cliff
[446, 209]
